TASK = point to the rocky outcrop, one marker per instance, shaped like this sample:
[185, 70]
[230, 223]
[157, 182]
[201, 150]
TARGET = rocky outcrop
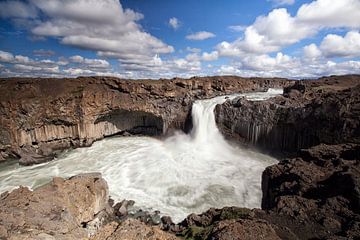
[132, 229]
[309, 113]
[320, 188]
[49, 115]
[63, 209]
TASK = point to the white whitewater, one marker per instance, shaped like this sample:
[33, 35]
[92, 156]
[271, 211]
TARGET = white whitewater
[179, 175]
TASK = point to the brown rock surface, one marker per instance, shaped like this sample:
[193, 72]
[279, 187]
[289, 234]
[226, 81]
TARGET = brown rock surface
[61, 209]
[132, 229]
[243, 229]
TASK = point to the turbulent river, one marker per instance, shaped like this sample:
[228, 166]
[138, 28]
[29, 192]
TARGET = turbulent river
[178, 175]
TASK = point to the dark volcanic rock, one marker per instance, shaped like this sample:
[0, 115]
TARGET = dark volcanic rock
[319, 188]
[317, 112]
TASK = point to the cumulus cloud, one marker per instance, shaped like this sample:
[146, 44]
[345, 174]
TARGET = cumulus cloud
[329, 13]
[268, 34]
[76, 59]
[198, 36]
[174, 23]
[312, 52]
[333, 45]
[102, 26]
[267, 63]
[210, 56]
[337, 46]
[279, 29]
[6, 57]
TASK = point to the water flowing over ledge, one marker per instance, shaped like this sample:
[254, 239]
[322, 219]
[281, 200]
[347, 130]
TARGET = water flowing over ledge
[179, 175]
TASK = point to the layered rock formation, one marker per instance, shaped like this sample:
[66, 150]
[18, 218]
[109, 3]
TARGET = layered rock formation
[41, 116]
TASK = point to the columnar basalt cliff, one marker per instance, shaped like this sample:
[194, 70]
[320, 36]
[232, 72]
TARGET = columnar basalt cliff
[309, 113]
[41, 116]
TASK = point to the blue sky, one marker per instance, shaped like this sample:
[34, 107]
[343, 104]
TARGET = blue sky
[165, 39]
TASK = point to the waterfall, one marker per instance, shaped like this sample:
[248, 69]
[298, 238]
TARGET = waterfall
[182, 174]
[204, 125]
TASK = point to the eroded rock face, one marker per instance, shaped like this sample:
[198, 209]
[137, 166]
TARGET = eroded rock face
[62, 209]
[49, 115]
[309, 113]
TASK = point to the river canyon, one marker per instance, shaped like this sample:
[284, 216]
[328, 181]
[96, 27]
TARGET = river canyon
[183, 146]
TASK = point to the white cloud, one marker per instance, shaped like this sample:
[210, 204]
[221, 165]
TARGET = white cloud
[198, 36]
[22, 59]
[194, 50]
[78, 71]
[311, 51]
[266, 63]
[6, 57]
[114, 32]
[279, 29]
[330, 13]
[76, 59]
[282, 2]
[102, 26]
[174, 23]
[90, 63]
[17, 9]
[337, 46]
[228, 70]
[296, 69]
[20, 65]
[268, 34]
[210, 56]
[33, 69]
[237, 28]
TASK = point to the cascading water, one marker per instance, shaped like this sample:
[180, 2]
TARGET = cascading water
[179, 175]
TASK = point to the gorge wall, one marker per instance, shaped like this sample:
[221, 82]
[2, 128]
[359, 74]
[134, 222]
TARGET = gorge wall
[41, 116]
[310, 112]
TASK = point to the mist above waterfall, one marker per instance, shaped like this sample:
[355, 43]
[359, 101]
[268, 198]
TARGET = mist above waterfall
[182, 174]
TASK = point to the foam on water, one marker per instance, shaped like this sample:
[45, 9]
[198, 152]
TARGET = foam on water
[179, 175]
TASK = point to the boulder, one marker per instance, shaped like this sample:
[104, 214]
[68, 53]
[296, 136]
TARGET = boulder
[61, 209]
